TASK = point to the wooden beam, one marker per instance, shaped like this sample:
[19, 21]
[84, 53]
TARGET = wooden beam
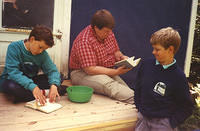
[121, 125]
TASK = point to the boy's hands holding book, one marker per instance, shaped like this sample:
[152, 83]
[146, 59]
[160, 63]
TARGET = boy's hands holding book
[41, 98]
[128, 63]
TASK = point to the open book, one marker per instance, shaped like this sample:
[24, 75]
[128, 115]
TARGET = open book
[128, 63]
[47, 108]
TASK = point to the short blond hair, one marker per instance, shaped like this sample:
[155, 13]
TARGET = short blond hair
[166, 37]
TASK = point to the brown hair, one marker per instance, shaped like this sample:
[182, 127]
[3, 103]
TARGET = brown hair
[41, 32]
[103, 18]
[166, 37]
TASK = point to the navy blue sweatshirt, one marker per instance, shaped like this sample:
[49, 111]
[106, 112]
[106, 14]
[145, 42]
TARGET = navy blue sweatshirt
[162, 93]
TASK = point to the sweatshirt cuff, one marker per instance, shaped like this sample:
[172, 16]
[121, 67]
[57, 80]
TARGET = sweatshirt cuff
[32, 86]
[55, 83]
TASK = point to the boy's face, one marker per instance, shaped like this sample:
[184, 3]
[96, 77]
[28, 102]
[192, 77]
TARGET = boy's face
[164, 56]
[37, 47]
[103, 33]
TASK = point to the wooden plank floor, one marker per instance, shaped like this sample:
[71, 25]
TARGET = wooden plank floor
[101, 113]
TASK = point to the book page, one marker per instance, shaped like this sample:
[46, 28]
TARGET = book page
[129, 59]
[128, 63]
[135, 62]
[47, 108]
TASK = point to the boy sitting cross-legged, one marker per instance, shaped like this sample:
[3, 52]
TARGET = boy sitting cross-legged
[24, 59]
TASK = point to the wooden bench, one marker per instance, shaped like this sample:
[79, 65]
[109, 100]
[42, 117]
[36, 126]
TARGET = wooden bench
[101, 113]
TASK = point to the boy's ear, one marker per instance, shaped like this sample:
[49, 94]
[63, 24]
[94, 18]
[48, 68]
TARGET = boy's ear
[171, 48]
[32, 38]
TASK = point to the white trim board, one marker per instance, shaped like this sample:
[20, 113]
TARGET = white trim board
[190, 37]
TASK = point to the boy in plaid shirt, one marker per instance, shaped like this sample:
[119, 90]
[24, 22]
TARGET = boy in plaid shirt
[93, 54]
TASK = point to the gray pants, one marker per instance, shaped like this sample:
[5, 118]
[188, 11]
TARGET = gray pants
[113, 87]
[155, 124]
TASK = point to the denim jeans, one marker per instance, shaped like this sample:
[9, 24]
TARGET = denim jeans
[21, 94]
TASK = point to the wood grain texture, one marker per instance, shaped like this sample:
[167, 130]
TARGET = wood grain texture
[100, 113]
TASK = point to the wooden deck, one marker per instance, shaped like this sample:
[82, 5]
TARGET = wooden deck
[101, 113]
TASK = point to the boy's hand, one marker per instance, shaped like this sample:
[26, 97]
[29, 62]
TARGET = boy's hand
[119, 56]
[37, 93]
[53, 93]
[124, 57]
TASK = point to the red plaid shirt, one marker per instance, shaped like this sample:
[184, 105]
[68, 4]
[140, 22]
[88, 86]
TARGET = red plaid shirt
[88, 51]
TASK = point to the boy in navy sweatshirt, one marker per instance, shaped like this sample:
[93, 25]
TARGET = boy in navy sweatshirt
[162, 94]
[24, 59]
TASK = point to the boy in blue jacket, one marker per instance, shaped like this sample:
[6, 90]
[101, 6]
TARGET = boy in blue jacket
[162, 94]
[24, 59]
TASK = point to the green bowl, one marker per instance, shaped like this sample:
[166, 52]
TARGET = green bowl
[79, 93]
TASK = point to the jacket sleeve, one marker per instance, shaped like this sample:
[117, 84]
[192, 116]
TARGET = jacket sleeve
[50, 69]
[137, 88]
[184, 103]
[13, 68]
